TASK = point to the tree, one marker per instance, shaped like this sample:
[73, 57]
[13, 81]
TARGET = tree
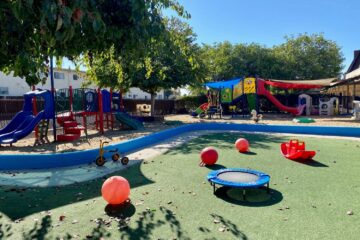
[309, 57]
[105, 69]
[33, 30]
[169, 62]
[301, 57]
[169, 59]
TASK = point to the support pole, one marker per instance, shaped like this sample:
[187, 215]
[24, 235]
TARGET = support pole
[53, 95]
[35, 113]
[243, 97]
[354, 94]
[71, 99]
[347, 97]
[257, 98]
[121, 101]
[101, 112]
[111, 110]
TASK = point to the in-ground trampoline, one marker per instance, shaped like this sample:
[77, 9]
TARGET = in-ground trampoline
[239, 178]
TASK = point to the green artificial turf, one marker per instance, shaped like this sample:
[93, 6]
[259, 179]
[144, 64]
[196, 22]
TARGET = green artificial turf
[172, 200]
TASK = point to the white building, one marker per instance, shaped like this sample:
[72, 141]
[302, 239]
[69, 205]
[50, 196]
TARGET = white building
[136, 93]
[11, 86]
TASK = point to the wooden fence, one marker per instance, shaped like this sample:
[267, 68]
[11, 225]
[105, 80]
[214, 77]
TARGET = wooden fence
[9, 107]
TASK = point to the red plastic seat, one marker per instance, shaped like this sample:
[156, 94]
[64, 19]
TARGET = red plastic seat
[295, 150]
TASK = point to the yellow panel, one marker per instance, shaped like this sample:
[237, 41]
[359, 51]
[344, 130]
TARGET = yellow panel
[249, 85]
[238, 90]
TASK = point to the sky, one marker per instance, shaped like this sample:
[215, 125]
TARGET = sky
[268, 21]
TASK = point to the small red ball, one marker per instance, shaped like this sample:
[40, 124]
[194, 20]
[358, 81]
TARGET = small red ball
[209, 156]
[115, 190]
[242, 145]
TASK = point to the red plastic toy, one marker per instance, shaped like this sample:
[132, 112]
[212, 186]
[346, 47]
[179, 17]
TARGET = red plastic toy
[208, 156]
[115, 190]
[295, 150]
[242, 145]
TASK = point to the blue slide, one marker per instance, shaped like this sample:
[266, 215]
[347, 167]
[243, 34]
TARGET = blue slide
[128, 120]
[14, 123]
[25, 121]
[24, 125]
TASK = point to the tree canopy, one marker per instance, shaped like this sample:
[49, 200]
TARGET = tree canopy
[300, 57]
[170, 59]
[33, 30]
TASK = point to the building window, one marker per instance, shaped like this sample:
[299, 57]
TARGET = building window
[75, 77]
[159, 96]
[134, 96]
[145, 97]
[59, 75]
[4, 90]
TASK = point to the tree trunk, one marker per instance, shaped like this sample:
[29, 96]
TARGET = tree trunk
[152, 111]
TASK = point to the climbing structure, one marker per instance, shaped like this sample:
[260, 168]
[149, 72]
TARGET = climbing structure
[247, 90]
[71, 129]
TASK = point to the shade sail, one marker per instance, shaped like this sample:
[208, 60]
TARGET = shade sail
[319, 82]
[223, 84]
[293, 85]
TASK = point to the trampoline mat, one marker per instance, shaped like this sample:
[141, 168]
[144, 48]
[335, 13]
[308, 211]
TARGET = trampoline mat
[238, 177]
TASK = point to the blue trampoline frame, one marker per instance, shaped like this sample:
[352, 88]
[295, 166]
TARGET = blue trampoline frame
[263, 180]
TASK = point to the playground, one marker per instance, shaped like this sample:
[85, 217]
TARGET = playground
[306, 199]
[174, 119]
[167, 192]
[112, 175]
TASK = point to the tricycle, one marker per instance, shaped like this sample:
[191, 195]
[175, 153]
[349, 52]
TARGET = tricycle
[100, 160]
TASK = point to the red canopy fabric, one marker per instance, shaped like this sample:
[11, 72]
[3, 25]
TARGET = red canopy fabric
[292, 85]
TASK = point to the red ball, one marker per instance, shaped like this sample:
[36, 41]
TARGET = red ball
[242, 145]
[209, 156]
[115, 190]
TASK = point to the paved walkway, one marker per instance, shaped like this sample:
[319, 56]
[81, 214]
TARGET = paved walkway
[70, 175]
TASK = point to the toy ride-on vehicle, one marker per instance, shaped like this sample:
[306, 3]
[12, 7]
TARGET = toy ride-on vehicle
[100, 160]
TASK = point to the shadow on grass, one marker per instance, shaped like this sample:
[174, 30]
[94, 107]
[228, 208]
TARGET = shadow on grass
[254, 197]
[228, 226]
[249, 153]
[215, 166]
[142, 228]
[39, 231]
[226, 141]
[125, 210]
[37, 199]
[312, 163]
[5, 229]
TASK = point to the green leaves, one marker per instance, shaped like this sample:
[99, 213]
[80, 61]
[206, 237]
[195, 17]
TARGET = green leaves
[30, 30]
[301, 57]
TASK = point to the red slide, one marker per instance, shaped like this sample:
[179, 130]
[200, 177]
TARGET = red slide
[261, 90]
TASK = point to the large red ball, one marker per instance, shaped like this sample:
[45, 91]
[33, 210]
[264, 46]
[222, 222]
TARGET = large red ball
[242, 145]
[209, 156]
[115, 190]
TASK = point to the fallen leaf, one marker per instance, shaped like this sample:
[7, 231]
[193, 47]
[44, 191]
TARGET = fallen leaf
[350, 213]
